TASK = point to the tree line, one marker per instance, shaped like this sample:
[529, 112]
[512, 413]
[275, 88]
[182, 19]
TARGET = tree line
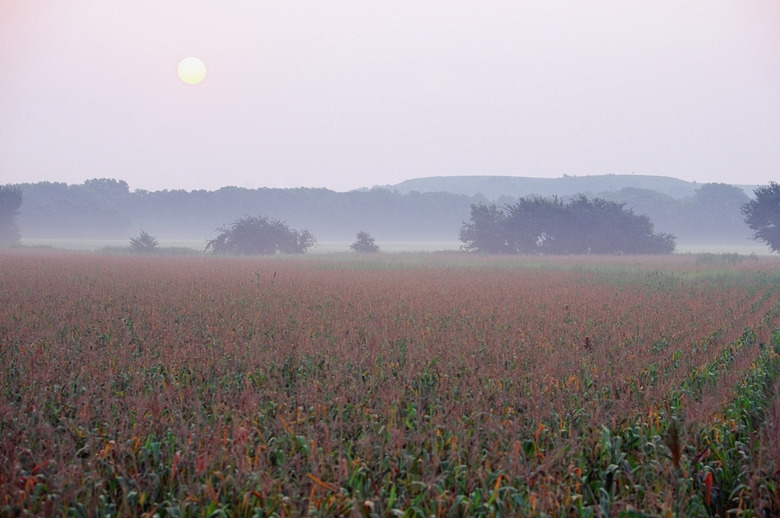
[10, 203]
[538, 225]
[107, 209]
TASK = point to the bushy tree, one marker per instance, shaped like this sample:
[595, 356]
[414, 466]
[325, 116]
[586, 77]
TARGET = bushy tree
[762, 215]
[258, 235]
[538, 225]
[10, 201]
[364, 243]
[606, 227]
[487, 231]
[144, 243]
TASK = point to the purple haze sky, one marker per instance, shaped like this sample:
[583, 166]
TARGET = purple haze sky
[348, 94]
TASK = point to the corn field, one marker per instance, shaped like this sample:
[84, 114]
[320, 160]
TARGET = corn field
[390, 385]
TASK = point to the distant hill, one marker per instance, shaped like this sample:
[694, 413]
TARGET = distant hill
[493, 187]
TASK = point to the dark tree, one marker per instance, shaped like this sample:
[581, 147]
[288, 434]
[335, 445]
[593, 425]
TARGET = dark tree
[606, 227]
[538, 225]
[10, 201]
[144, 243]
[364, 243]
[486, 232]
[762, 215]
[258, 235]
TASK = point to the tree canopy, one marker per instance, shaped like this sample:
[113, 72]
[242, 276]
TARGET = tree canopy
[10, 201]
[145, 243]
[259, 235]
[538, 225]
[364, 243]
[106, 209]
[762, 215]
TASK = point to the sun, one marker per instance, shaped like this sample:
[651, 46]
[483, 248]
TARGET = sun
[192, 70]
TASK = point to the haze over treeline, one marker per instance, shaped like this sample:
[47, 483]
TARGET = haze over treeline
[108, 209]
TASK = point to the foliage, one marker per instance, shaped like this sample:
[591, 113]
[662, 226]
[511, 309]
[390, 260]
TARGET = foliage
[10, 201]
[539, 225]
[105, 208]
[258, 235]
[108, 186]
[364, 243]
[144, 243]
[762, 215]
[216, 386]
[486, 232]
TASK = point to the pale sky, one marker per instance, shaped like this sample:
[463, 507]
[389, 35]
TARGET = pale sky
[349, 94]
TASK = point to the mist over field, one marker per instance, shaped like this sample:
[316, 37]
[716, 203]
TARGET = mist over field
[426, 210]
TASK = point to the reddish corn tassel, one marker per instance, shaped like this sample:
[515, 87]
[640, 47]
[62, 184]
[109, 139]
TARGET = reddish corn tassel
[707, 487]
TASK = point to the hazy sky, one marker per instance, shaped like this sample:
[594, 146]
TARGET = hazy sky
[347, 94]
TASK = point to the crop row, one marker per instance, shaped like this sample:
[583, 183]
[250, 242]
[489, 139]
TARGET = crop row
[401, 386]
